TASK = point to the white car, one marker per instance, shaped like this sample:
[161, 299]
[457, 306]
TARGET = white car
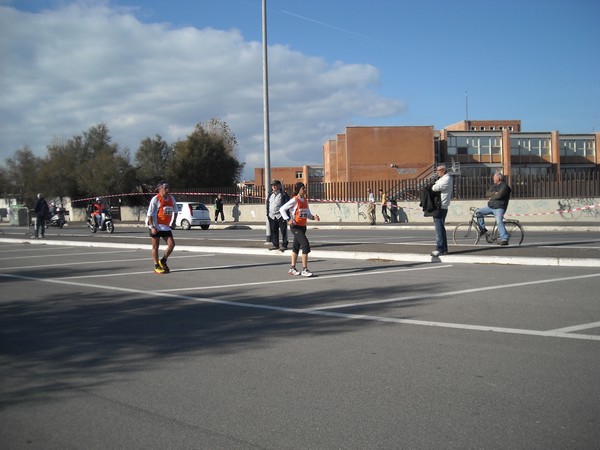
[192, 214]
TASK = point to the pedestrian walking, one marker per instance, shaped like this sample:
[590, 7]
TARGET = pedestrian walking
[296, 213]
[162, 214]
[384, 208]
[371, 206]
[219, 208]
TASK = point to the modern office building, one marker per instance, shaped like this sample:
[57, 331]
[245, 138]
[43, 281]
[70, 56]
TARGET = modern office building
[480, 147]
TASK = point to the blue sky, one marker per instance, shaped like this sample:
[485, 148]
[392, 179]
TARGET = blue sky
[159, 67]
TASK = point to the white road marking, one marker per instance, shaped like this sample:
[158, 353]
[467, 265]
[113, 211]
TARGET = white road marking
[80, 263]
[151, 272]
[23, 249]
[452, 293]
[300, 279]
[583, 326]
[62, 255]
[551, 333]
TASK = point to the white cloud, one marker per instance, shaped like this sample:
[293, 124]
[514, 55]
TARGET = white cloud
[68, 69]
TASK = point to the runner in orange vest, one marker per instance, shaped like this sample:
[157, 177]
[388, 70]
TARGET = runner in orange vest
[162, 213]
[296, 213]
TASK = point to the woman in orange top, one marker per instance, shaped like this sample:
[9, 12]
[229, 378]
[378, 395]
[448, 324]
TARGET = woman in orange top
[296, 213]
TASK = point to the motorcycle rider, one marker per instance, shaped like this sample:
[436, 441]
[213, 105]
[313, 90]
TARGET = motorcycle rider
[57, 215]
[97, 209]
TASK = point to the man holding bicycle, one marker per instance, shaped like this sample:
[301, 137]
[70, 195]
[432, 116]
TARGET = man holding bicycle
[499, 195]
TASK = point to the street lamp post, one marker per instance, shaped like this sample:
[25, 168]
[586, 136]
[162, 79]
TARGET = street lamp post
[267, 149]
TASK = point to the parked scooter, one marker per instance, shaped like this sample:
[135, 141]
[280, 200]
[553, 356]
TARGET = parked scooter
[106, 222]
[57, 217]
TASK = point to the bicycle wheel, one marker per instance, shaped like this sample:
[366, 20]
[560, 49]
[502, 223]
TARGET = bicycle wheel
[514, 230]
[465, 234]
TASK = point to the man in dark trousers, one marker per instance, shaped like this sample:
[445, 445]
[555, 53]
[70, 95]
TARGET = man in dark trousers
[277, 198]
[41, 212]
[219, 208]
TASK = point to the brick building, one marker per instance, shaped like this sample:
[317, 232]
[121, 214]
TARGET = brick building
[290, 175]
[481, 147]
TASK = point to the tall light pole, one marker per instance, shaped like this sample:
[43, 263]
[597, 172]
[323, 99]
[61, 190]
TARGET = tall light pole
[267, 149]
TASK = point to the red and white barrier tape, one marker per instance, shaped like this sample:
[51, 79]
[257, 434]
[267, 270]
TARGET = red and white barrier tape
[133, 194]
[558, 211]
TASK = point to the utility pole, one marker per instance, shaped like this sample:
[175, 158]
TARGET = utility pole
[267, 149]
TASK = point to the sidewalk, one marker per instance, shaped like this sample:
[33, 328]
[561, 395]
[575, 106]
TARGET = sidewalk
[526, 254]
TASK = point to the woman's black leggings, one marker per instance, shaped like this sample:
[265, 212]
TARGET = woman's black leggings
[300, 240]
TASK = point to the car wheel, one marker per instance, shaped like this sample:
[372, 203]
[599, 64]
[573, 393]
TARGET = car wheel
[185, 224]
[204, 227]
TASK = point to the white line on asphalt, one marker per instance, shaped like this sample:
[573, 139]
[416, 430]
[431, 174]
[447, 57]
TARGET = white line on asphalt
[62, 255]
[583, 326]
[299, 279]
[22, 249]
[146, 272]
[314, 312]
[451, 293]
[112, 261]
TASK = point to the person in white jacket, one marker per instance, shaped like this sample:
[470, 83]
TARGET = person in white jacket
[444, 186]
[296, 213]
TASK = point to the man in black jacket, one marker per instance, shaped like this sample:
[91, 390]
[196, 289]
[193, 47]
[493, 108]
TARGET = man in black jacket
[499, 195]
[41, 212]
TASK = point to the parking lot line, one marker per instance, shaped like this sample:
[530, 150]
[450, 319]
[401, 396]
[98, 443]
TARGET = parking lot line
[453, 293]
[297, 279]
[584, 326]
[317, 312]
[80, 263]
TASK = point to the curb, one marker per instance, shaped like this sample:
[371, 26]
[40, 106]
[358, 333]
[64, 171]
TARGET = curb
[325, 254]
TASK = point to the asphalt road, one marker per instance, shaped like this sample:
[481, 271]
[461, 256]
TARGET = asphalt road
[228, 351]
[548, 245]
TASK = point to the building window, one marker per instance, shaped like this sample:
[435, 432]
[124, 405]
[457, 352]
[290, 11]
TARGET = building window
[299, 175]
[534, 146]
[582, 147]
[496, 146]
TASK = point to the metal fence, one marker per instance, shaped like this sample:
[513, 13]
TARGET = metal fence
[576, 184]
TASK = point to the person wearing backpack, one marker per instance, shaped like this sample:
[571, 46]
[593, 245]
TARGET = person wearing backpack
[277, 224]
[41, 212]
[296, 213]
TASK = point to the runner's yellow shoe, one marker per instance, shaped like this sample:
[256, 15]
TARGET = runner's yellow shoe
[163, 264]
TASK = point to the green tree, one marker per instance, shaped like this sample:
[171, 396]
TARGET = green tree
[152, 160]
[58, 173]
[219, 130]
[4, 182]
[205, 159]
[23, 173]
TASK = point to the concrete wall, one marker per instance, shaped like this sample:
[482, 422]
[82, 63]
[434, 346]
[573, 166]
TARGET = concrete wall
[527, 211]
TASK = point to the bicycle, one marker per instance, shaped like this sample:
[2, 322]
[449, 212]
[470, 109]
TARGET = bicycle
[468, 233]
